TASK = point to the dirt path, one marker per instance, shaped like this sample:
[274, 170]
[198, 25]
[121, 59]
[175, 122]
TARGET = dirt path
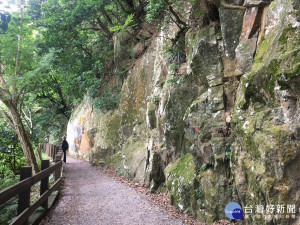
[89, 197]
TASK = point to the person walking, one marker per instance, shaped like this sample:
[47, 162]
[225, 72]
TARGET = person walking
[64, 146]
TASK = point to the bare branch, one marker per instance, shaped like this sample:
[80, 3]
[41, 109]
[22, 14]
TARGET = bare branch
[90, 28]
[104, 28]
[28, 120]
[170, 8]
[107, 17]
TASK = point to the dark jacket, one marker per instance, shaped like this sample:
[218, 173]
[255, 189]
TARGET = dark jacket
[64, 145]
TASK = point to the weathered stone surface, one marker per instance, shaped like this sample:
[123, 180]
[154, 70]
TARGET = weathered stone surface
[231, 26]
[247, 46]
[203, 56]
[296, 5]
[89, 131]
[144, 34]
[179, 177]
[121, 53]
[245, 54]
[151, 117]
[266, 120]
[251, 23]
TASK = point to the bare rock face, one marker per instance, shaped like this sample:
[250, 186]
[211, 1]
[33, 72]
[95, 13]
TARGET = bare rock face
[265, 121]
[215, 124]
[247, 46]
[231, 25]
[296, 5]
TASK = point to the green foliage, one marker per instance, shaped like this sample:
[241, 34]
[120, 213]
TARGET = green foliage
[8, 179]
[155, 99]
[107, 101]
[201, 169]
[121, 171]
[11, 155]
[174, 67]
[11, 158]
[171, 81]
[175, 52]
[4, 21]
[154, 10]
[126, 25]
[8, 211]
[94, 87]
[227, 151]
[199, 193]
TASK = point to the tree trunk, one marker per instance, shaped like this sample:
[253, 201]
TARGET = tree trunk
[171, 10]
[122, 7]
[141, 3]
[22, 135]
[130, 4]
[107, 17]
[104, 28]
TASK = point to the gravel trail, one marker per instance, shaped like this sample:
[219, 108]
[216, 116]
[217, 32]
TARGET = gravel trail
[90, 197]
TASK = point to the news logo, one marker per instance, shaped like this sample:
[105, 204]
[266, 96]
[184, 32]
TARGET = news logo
[233, 210]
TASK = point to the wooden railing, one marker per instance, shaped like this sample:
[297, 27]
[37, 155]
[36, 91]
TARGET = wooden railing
[50, 150]
[23, 188]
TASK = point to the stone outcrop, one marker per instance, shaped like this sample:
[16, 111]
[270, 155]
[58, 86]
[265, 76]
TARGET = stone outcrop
[215, 124]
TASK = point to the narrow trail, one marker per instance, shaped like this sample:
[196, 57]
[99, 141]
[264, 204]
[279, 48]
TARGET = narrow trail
[90, 197]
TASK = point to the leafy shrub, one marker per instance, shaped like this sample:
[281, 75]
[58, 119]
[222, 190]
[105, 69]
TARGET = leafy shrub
[199, 193]
[227, 151]
[7, 178]
[126, 25]
[107, 101]
[8, 211]
[175, 52]
[121, 171]
[94, 88]
[154, 10]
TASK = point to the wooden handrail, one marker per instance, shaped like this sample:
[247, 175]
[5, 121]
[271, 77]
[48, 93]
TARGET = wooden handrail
[44, 173]
[26, 184]
[12, 191]
[26, 213]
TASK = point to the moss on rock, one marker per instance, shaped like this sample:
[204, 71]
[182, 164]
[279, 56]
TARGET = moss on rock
[180, 181]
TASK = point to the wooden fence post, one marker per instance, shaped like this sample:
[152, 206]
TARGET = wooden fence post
[44, 182]
[47, 149]
[56, 150]
[44, 147]
[58, 171]
[24, 196]
[51, 151]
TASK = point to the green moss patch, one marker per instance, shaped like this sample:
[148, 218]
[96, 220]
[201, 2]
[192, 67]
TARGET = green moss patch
[277, 59]
[180, 181]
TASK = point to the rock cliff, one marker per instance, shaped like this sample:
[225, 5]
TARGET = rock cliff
[210, 114]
